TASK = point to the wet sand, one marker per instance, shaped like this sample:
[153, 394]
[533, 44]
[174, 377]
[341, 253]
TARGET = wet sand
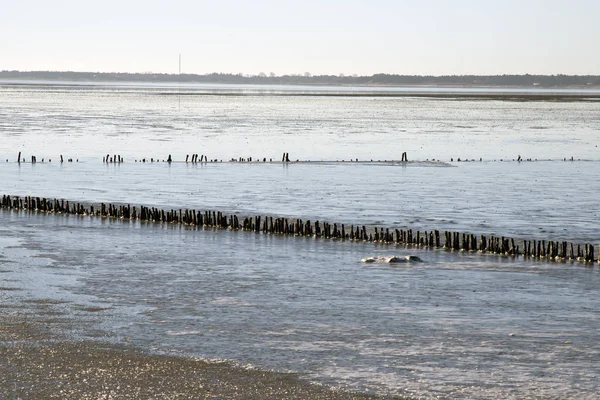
[38, 362]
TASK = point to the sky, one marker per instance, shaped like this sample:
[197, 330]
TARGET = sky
[412, 37]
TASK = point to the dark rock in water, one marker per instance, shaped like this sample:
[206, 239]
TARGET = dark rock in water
[392, 259]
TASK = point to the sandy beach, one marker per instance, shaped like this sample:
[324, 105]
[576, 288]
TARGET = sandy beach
[37, 362]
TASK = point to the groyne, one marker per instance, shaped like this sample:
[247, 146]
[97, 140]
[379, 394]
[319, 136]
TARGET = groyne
[272, 225]
[195, 158]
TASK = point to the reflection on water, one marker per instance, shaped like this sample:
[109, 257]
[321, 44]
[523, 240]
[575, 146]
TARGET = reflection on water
[454, 325]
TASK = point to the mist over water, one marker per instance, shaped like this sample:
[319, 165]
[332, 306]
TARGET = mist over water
[456, 325]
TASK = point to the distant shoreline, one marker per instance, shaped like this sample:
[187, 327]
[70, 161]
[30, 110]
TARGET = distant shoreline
[378, 80]
[448, 92]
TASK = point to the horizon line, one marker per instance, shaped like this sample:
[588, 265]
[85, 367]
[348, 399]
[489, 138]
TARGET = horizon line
[301, 75]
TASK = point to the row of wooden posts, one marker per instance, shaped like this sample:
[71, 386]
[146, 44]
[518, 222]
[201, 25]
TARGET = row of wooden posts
[117, 159]
[537, 249]
[519, 159]
[34, 159]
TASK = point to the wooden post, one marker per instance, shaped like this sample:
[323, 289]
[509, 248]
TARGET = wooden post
[19, 158]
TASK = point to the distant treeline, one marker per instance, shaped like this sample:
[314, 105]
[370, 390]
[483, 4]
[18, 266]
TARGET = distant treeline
[308, 79]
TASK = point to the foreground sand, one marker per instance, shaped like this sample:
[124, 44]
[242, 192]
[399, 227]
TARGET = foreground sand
[36, 363]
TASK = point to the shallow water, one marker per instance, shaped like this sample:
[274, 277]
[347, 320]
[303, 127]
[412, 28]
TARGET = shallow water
[536, 200]
[457, 325]
[454, 325]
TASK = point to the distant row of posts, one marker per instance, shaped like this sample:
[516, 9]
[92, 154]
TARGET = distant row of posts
[195, 158]
[34, 159]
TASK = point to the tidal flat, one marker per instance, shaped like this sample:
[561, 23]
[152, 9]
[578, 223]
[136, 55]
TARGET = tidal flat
[458, 324]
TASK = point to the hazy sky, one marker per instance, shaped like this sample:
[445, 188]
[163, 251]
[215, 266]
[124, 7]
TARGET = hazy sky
[421, 37]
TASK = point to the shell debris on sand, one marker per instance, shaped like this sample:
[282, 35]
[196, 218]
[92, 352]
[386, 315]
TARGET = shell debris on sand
[41, 363]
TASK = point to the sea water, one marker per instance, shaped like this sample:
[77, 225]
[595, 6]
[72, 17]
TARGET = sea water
[455, 325]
